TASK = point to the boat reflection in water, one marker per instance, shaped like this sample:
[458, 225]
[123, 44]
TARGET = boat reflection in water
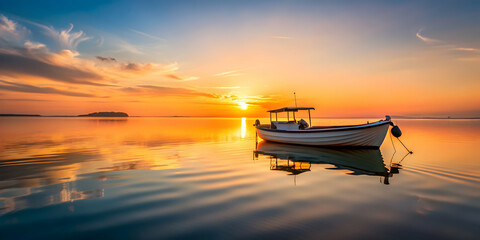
[297, 159]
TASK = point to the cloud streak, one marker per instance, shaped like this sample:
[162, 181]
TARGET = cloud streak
[281, 37]
[147, 35]
[65, 65]
[10, 32]
[182, 79]
[472, 50]
[426, 39]
[7, 25]
[228, 73]
[12, 64]
[450, 47]
[23, 100]
[18, 87]
[167, 91]
[127, 47]
[234, 87]
[106, 59]
[66, 37]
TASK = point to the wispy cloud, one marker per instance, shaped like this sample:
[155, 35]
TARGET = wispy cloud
[147, 68]
[34, 45]
[10, 32]
[65, 66]
[13, 64]
[250, 100]
[23, 100]
[426, 39]
[106, 59]
[263, 101]
[147, 35]
[18, 87]
[210, 98]
[450, 47]
[231, 73]
[234, 87]
[100, 41]
[168, 91]
[67, 38]
[280, 37]
[127, 47]
[180, 78]
[472, 50]
[7, 24]
[137, 66]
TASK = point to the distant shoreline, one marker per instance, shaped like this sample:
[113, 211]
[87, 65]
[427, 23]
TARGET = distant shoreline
[393, 117]
[20, 115]
[94, 114]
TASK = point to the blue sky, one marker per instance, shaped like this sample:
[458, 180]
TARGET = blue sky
[176, 20]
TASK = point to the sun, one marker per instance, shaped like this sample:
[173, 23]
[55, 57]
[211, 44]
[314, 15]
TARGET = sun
[243, 105]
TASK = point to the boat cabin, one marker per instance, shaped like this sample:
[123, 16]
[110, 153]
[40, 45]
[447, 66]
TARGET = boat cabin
[291, 123]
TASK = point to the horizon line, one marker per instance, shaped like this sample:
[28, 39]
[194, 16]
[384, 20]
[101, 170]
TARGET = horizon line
[189, 116]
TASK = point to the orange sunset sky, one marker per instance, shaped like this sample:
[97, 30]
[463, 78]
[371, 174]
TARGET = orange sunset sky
[240, 58]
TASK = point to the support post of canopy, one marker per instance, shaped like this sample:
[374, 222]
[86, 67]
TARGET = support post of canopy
[276, 116]
[270, 117]
[309, 118]
[294, 117]
[288, 116]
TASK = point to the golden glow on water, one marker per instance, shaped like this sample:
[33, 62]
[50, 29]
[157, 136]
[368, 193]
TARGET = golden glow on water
[156, 143]
[243, 129]
[204, 163]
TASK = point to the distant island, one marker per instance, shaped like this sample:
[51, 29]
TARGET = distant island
[105, 114]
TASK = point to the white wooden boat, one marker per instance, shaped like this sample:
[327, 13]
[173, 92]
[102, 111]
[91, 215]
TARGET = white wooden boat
[370, 135]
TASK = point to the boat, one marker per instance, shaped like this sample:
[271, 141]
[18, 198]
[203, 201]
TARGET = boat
[369, 135]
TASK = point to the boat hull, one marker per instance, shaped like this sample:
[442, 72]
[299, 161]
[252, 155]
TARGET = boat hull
[367, 135]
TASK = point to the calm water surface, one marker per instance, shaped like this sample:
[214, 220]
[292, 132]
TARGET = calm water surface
[153, 178]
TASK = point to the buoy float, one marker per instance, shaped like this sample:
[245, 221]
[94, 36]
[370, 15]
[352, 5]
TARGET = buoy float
[396, 132]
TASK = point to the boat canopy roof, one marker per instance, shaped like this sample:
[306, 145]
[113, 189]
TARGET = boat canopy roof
[290, 109]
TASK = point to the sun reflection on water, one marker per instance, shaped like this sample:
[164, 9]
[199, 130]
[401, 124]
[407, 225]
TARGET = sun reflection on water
[243, 128]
